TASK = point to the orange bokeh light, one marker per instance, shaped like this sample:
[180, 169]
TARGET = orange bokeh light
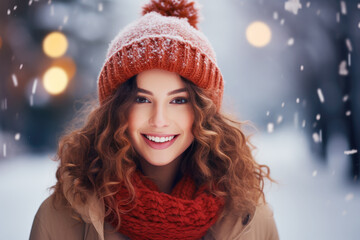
[67, 64]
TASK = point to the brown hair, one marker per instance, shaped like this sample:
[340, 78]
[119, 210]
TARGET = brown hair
[222, 158]
[96, 158]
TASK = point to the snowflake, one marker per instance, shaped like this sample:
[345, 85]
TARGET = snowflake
[293, 6]
[342, 69]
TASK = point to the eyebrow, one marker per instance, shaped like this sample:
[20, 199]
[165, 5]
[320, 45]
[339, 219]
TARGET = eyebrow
[169, 93]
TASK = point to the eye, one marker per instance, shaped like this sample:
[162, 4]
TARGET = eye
[180, 100]
[140, 99]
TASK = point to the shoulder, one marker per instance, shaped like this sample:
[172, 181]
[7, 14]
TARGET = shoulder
[260, 226]
[56, 222]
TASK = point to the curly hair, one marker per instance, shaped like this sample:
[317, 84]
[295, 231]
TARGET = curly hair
[98, 157]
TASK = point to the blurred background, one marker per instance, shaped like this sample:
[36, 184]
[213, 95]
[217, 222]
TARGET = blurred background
[291, 68]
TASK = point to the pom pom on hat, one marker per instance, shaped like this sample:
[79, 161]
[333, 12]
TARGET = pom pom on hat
[174, 8]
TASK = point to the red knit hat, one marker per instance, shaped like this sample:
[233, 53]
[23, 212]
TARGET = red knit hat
[165, 37]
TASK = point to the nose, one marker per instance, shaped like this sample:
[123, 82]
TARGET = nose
[159, 118]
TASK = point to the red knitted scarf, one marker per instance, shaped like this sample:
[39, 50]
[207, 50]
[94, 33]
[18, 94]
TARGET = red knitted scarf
[186, 213]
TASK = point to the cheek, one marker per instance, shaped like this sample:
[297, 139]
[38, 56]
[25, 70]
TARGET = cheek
[185, 119]
[134, 121]
[188, 122]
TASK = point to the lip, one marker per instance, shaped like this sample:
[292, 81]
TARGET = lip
[159, 146]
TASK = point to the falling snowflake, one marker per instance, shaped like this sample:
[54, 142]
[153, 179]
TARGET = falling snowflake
[321, 95]
[318, 116]
[349, 59]
[293, 6]
[34, 86]
[31, 100]
[17, 136]
[302, 68]
[308, 4]
[345, 98]
[291, 41]
[337, 17]
[316, 137]
[270, 127]
[66, 19]
[348, 45]
[283, 104]
[297, 100]
[267, 113]
[8, 12]
[303, 124]
[342, 68]
[279, 119]
[100, 7]
[275, 15]
[4, 149]
[282, 21]
[350, 152]
[314, 173]
[21, 66]
[14, 79]
[343, 7]
[348, 113]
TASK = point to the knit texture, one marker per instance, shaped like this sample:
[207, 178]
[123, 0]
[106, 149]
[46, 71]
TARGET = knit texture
[186, 213]
[164, 42]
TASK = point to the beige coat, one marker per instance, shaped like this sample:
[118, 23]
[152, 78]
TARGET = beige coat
[57, 224]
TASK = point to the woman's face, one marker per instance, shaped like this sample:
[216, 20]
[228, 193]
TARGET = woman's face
[161, 118]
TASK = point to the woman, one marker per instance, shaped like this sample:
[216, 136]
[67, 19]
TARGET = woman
[157, 159]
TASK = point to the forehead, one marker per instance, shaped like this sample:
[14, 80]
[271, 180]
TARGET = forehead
[157, 79]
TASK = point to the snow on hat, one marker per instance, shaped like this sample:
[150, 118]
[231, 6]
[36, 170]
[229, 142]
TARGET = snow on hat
[165, 37]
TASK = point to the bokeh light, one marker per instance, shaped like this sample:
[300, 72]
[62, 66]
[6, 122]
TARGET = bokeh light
[67, 64]
[55, 44]
[258, 34]
[55, 80]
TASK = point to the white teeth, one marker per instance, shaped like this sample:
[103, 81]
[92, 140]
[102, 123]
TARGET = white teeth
[159, 139]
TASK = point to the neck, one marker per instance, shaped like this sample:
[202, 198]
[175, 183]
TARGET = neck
[163, 176]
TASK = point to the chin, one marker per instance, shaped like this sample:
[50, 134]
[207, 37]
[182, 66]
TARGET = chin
[159, 161]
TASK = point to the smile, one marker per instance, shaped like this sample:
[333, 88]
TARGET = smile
[159, 142]
[159, 139]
